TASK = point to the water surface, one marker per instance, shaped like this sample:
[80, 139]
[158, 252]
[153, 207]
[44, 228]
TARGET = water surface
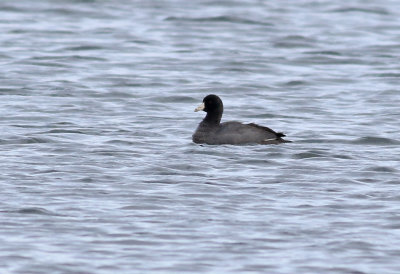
[98, 171]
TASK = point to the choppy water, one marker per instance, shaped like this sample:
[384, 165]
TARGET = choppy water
[98, 171]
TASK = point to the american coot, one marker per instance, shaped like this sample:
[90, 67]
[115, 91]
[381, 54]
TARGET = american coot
[211, 131]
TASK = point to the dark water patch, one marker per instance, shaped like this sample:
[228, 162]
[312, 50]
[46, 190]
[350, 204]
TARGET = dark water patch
[128, 242]
[122, 81]
[319, 141]
[342, 156]
[382, 169]
[48, 171]
[121, 142]
[292, 44]
[295, 41]
[26, 141]
[295, 83]
[360, 196]
[56, 32]
[326, 60]
[339, 184]
[42, 33]
[29, 126]
[310, 154]
[392, 226]
[174, 99]
[67, 57]
[257, 162]
[62, 124]
[9, 91]
[85, 48]
[85, 58]
[369, 140]
[63, 131]
[5, 57]
[184, 167]
[117, 95]
[277, 155]
[252, 115]
[142, 207]
[161, 181]
[61, 85]
[374, 10]
[141, 42]
[297, 38]
[384, 75]
[159, 170]
[218, 19]
[346, 206]
[36, 211]
[88, 180]
[46, 64]
[389, 93]
[392, 182]
[111, 152]
[323, 52]
[76, 11]
[387, 50]
[330, 269]
[9, 8]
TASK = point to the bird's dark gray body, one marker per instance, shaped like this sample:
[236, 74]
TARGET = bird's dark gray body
[211, 131]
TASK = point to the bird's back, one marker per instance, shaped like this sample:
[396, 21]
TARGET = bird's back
[238, 133]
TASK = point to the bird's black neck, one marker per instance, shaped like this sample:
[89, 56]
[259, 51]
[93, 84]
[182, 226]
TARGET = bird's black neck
[213, 118]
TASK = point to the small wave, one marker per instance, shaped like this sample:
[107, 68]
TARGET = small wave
[44, 64]
[221, 18]
[87, 58]
[28, 140]
[294, 41]
[295, 83]
[174, 99]
[329, 60]
[36, 211]
[323, 52]
[376, 10]
[6, 8]
[309, 154]
[84, 48]
[382, 169]
[121, 142]
[317, 141]
[142, 207]
[64, 131]
[385, 75]
[375, 141]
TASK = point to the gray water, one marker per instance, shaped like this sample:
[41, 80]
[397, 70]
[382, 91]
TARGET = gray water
[98, 172]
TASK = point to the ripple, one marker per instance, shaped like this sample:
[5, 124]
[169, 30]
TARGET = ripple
[310, 154]
[382, 169]
[375, 10]
[85, 48]
[295, 41]
[174, 99]
[369, 140]
[27, 140]
[36, 211]
[62, 131]
[323, 52]
[294, 83]
[219, 19]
